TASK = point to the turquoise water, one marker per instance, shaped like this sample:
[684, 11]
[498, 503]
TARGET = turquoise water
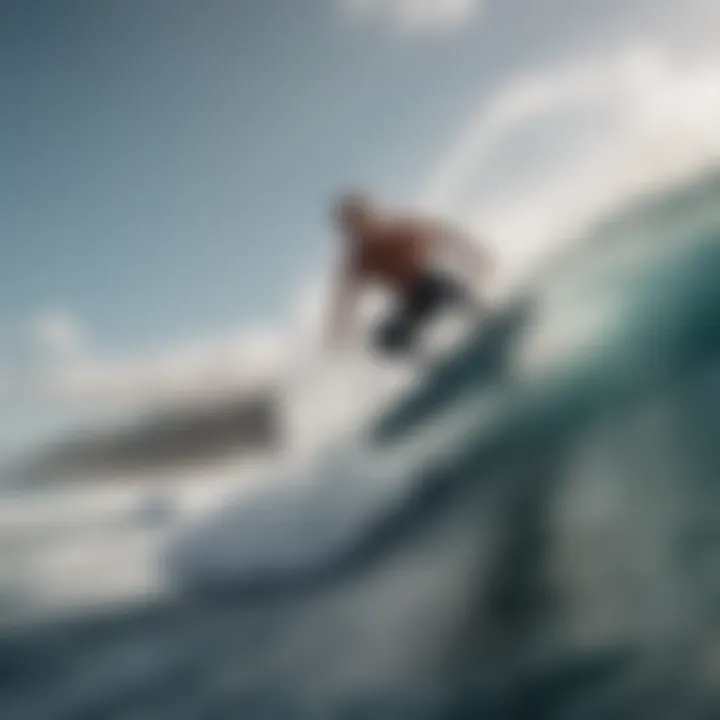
[536, 529]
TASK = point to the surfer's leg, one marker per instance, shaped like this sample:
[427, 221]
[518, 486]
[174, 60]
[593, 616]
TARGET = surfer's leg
[434, 296]
[451, 291]
[434, 293]
[426, 298]
[394, 336]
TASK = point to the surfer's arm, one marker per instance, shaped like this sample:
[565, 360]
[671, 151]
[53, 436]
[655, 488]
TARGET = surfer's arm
[342, 312]
[465, 247]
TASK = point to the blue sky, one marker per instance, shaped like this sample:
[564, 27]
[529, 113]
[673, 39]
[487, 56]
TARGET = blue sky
[166, 165]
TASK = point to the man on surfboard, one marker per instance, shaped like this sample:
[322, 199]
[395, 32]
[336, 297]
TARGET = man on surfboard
[400, 254]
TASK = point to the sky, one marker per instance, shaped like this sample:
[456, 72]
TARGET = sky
[167, 166]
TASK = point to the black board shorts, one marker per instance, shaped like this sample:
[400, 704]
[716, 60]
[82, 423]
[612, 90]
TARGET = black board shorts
[417, 305]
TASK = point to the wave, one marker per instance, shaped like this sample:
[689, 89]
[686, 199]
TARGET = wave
[626, 312]
[531, 532]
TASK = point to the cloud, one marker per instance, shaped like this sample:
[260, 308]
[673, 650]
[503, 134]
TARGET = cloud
[415, 16]
[194, 373]
[58, 334]
[318, 398]
[659, 124]
[73, 374]
[79, 381]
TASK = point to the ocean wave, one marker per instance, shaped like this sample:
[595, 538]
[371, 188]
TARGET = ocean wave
[579, 344]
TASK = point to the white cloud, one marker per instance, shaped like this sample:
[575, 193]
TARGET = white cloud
[416, 16]
[57, 333]
[320, 398]
[660, 120]
[192, 373]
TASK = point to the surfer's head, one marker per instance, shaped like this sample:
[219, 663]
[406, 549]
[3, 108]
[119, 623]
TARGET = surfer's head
[356, 212]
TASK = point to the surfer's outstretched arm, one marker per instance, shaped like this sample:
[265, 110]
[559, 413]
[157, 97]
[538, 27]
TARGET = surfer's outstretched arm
[342, 311]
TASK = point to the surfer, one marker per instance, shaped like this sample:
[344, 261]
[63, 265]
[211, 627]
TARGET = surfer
[401, 255]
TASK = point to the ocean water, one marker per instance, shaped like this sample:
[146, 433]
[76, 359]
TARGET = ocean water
[532, 532]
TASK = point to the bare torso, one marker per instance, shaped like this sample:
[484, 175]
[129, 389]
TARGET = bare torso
[394, 255]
